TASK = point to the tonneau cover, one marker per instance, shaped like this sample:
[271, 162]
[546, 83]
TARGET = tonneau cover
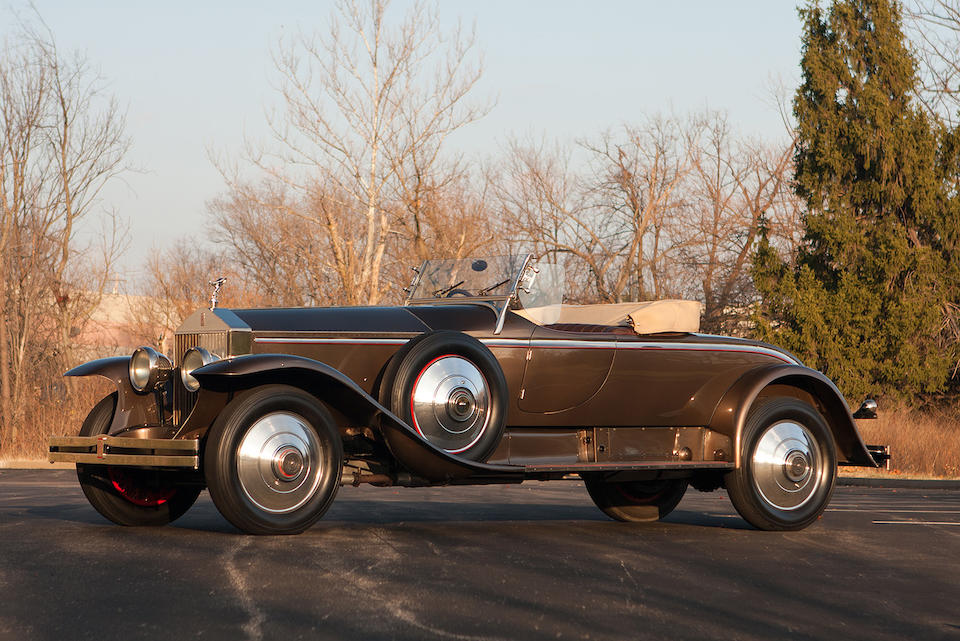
[649, 317]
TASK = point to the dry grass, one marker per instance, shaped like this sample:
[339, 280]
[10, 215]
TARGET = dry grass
[922, 443]
[60, 416]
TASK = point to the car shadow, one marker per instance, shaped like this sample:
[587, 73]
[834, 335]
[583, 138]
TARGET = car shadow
[359, 508]
[365, 514]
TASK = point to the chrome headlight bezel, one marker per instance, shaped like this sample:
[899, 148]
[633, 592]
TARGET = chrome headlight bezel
[194, 358]
[148, 369]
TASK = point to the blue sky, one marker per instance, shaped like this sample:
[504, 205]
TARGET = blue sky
[195, 76]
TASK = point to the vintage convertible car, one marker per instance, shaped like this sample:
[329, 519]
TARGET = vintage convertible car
[483, 376]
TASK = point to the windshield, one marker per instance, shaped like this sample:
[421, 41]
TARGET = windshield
[515, 282]
[492, 277]
[506, 282]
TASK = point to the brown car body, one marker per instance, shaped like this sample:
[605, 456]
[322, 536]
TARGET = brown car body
[595, 401]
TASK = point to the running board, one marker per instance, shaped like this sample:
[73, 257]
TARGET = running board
[609, 466]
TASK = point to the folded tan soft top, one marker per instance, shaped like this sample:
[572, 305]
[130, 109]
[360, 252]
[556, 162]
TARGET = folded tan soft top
[650, 317]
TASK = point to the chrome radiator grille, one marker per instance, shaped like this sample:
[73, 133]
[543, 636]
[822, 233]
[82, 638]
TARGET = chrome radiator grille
[213, 342]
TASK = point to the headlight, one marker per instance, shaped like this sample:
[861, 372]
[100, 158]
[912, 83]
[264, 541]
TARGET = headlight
[148, 368]
[194, 358]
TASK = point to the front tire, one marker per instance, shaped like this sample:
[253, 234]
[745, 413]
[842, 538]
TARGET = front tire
[128, 495]
[635, 501]
[273, 461]
[788, 466]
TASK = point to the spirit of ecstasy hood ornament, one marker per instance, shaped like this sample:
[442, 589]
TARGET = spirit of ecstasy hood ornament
[217, 284]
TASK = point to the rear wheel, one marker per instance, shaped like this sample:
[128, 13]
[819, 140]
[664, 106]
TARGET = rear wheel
[129, 495]
[788, 466]
[635, 501]
[273, 461]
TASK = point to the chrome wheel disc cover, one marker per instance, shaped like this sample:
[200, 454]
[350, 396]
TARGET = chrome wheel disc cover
[279, 462]
[450, 403]
[787, 465]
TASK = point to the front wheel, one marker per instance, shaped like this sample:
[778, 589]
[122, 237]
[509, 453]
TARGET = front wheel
[273, 461]
[129, 495]
[635, 501]
[788, 466]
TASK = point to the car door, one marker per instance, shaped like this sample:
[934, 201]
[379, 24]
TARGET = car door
[564, 369]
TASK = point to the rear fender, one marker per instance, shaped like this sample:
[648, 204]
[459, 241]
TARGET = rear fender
[332, 387]
[133, 409]
[730, 417]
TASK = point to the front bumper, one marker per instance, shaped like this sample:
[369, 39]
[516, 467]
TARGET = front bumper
[118, 450]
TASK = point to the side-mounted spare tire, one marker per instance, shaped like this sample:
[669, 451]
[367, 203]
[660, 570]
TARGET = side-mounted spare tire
[449, 388]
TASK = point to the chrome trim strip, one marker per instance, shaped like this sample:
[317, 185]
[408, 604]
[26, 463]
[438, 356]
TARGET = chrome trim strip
[712, 347]
[505, 342]
[619, 466]
[561, 344]
[587, 344]
[547, 344]
[331, 341]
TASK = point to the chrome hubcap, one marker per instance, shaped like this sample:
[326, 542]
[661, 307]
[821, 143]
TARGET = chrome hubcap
[288, 463]
[786, 465]
[450, 403]
[797, 466]
[279, 462]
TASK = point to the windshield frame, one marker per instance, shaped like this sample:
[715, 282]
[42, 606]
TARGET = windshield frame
[500, 302]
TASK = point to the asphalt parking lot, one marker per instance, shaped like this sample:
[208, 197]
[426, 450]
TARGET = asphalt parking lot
[535, 561]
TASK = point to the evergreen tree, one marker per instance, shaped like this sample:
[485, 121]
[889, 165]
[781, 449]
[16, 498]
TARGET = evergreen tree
[864, 298]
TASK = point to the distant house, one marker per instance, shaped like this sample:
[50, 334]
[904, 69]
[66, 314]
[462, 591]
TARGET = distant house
[115, 327]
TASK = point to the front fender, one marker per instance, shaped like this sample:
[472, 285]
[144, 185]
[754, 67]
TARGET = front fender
[340, 392]
[133, 409]
[730, 417]
[114, 368]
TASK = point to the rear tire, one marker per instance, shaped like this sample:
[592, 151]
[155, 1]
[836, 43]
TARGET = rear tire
[273, 460]
[788, 465]
[131, 496]
[635, 501]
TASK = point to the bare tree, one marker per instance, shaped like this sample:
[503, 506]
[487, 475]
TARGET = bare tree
[61, 140]
[537, 191]
[22, 98]
[177, 284]
[610, 219]
[934, 29]
[450, 219]
[367, 109]
[634, 193]
[734, 185]
[269, 247]
[671, 208]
